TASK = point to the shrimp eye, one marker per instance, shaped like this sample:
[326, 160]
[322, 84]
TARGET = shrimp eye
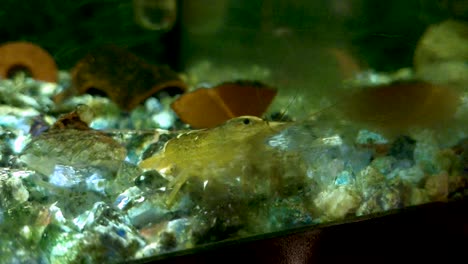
[246, 121]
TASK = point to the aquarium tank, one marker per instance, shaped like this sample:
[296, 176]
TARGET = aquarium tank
[133, 129]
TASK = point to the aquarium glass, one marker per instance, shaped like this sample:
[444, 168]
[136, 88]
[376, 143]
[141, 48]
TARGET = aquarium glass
[134, 129]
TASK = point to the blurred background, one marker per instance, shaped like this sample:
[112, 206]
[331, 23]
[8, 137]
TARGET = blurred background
[304, 48]
[376, 31]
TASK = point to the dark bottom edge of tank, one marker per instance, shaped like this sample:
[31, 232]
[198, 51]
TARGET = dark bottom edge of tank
[425, 232]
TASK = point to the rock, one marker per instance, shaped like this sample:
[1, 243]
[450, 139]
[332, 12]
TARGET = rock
[442, 52]
[437, 187]
[72, 147]
[337, 203]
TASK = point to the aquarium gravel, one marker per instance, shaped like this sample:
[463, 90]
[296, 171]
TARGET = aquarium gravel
[81, 195]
